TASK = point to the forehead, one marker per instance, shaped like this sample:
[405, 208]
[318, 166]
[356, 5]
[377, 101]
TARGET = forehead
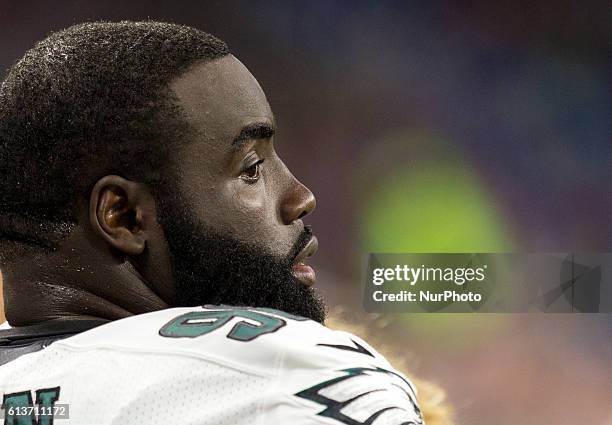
[220, 97]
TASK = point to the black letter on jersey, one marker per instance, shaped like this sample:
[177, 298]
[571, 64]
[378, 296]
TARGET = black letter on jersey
[45, 399]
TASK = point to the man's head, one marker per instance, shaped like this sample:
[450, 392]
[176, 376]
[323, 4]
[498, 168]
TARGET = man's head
[152, 147]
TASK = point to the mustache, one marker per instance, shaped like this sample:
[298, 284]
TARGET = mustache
[300, 243]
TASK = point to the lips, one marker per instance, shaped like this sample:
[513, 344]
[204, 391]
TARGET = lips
[302, 271]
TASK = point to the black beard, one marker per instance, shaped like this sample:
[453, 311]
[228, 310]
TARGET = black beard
[211, 268]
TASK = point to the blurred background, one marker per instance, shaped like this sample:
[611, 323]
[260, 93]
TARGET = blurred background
[432, 127]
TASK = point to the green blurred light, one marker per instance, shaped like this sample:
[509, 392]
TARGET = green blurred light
[441, 206]
[438, 208]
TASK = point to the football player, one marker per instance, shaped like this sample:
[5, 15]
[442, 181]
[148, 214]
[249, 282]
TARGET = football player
[153, 248]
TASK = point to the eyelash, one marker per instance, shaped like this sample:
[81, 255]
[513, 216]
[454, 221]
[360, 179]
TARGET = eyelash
[252, 178]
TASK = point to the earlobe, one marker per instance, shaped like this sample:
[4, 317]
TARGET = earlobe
[116, 214]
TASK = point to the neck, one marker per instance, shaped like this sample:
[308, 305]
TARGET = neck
[63, 285]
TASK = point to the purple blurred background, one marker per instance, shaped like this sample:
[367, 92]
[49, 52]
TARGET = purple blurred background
[433, 126]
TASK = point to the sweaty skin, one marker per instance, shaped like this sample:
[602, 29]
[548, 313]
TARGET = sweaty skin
[116, 263]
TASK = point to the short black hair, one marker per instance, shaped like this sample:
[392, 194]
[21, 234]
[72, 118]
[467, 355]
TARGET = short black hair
[85, 102]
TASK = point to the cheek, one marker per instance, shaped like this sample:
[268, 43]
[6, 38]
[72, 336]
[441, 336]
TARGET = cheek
[249, 213]
[244, 210]
[247, 199]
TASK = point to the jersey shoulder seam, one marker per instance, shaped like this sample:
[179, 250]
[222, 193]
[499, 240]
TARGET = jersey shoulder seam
[66, 345]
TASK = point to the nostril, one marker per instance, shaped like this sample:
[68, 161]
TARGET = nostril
[302, 214]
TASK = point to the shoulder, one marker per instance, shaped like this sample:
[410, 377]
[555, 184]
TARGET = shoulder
[226, 333]
[311, 371]
[259, 338]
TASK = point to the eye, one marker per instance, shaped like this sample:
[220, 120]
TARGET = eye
[252, 173]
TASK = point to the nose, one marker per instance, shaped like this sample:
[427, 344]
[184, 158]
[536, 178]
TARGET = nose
[298, 203]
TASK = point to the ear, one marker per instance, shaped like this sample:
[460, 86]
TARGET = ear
[116, 209]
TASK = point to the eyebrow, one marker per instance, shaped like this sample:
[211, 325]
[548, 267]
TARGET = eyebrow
[260, 130]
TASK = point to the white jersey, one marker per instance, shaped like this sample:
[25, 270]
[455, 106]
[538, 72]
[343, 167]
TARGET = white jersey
[216, 365]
